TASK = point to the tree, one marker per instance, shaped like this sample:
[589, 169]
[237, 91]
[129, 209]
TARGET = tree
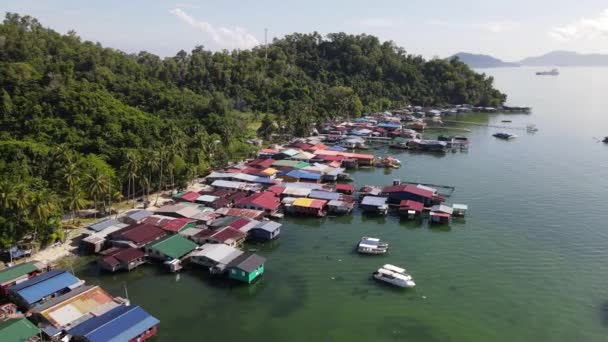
[342, 102]
[75, 201]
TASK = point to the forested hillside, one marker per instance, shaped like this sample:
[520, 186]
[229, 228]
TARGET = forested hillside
[82, 125]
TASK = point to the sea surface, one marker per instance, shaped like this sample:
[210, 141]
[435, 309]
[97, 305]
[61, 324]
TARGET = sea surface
[529, 263]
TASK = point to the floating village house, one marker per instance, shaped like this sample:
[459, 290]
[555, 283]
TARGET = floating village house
[441, 214]
[264, 201]
[246, 267]
[96, 242]
[136, 236]
[18, 329]
[135, 216]
[184, 210]
[373, 204]
[171, 250]
[410, 209]
[122, 259]
[43, 287]
[237, 186]
[398, 193]
[460, 209]
[67, 311]
[307, 206]
[227, 235]
[266, 230]
[215, 256]
[18, 274]
[123, 323]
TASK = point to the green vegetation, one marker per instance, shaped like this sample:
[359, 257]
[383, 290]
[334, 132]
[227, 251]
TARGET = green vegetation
[83, 126]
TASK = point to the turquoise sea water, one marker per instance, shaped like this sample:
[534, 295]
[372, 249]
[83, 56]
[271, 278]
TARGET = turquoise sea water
[528, 264]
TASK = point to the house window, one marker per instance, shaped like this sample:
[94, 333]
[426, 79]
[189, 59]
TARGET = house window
[233, 271]
[243, 273]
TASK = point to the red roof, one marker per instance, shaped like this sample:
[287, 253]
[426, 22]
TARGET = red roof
[345, 187]
[408, 188]
[142, 233]
[228, 233]
[266, 200]
[277, 189]
[331, 158]
[261, 163]
[221, 193]
[439, 214]
[239, 223]
[176, 225]
[236, 196]
[413, 205]
[335, 164]
[128, 254]
[189, 196]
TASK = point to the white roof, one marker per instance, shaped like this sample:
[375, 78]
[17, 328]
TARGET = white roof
[428, 188]
[442, 209]
[207, 198]
[394, 268]
[460, 206]
[219, 253]
[298, 192]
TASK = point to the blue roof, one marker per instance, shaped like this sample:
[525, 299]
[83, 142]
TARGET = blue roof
[303, 174]
[139, 215]
[119, 324]
[324, 195]
[103, 224]
[43, 285]
[337, 148]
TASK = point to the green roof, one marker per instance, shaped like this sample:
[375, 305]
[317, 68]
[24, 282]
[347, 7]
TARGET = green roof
[290, 163]
[175, 246]
[17, 271]
[17, 330]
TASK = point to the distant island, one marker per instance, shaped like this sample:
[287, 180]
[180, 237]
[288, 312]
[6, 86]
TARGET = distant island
[553, 58]
[481, 61]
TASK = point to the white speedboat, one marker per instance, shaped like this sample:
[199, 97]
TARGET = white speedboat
[395, 276]
[369, 245]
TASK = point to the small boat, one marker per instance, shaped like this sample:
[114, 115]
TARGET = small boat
[605, 141]
[531, 128]
[395, 276]
[370, 245]
[552, 72]
[504, 136]
[506, 121]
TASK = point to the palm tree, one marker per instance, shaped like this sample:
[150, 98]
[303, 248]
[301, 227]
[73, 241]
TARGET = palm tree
[163, 153]
[75, 201]
[71, 174]
[7, 195]
[131, 169]
[44, 204]
[151, 165]
[98, 185]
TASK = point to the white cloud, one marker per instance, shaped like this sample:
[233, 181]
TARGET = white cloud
[500, 26]
[223, 37]
[583, 29]
[377, 22]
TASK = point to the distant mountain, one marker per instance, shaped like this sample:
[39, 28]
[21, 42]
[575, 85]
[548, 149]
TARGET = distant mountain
[566, 58]
[482, 61]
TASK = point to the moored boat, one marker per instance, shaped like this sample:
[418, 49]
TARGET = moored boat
[504, 136]
[605, 141]
[395, 276]
[552, 72]
[370, 245]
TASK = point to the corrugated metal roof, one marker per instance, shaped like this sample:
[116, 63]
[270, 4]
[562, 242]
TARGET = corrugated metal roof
[9, 274]
[34, 289]
[76, 306]
[374, 201]
[324, 195]
[265, 200]
[248, 262]
[189, 196]
[142, 233]
[300, 174]
[309, 203]
[291, 191]
[175, 246]
[19, 329]
[219, 253]
[139, 214]
[417, 206]
[103, 224]
[123, 323]
[269, 226]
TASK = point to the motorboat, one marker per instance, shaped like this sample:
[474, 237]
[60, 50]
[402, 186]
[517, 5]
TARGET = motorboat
[504, 136]
[531, 128]
[605, 141]
[370, 245]
[395, 276]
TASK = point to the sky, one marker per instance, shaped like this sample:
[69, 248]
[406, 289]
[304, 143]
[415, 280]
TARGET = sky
[510, 30]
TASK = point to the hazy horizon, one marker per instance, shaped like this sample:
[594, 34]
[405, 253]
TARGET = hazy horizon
[436, 28]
